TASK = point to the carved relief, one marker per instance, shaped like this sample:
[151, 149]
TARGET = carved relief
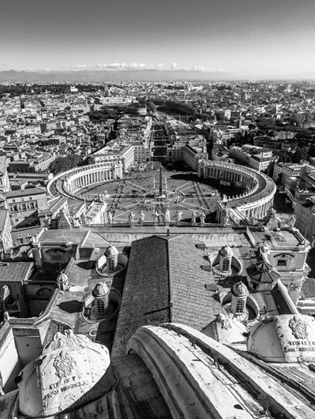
[299, 328]
[64, 364]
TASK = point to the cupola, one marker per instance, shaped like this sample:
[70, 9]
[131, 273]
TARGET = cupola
[101, 296]
[111, 255]
[239, 297]
[225, 259]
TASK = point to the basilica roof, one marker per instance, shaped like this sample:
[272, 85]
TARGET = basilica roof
[165, 282]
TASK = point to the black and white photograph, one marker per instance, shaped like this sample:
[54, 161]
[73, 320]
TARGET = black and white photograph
[157, 209]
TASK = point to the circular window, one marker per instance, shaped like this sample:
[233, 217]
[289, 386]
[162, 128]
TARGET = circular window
[93, 333]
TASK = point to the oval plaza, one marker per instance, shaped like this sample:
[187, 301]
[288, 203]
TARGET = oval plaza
[255, 201]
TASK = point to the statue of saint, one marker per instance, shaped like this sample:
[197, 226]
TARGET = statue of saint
[178, 216]
[141, 218]
[167, 216]
[193, 218]
[292, 220]
[226, 217]
[202, 218]
[131, 218]
[110, 217]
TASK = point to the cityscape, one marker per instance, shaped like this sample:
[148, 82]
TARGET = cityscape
[157, 209]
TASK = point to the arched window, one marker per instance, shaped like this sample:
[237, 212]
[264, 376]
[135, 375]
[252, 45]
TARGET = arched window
[100, 306]
[111, 264]
[226, 264]
[239, 306]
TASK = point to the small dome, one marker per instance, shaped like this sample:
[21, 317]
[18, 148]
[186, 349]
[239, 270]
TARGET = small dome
[226, 251]
[100, 290]
[283, 339]
[263, 272]
[264, 267]
[111, 251]
[239, 289]
[67, 371]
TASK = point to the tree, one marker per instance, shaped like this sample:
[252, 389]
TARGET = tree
[62, 164]
[151, 106]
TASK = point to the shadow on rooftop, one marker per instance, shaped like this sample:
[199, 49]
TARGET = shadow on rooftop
[86, 265]
[228, 282]
[71, 307]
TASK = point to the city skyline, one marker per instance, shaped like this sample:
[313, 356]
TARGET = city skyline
[244, 38]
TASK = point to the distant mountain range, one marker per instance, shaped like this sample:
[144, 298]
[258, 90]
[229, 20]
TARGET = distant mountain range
[14, 76]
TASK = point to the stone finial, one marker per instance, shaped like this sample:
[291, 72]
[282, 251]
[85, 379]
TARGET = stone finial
[63, 281]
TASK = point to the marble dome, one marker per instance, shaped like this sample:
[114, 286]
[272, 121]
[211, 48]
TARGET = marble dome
[63, 376]
[283, 339]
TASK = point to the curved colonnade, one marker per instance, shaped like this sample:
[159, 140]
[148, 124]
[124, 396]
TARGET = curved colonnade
[70, 182]
[254, 202]
[260, 189]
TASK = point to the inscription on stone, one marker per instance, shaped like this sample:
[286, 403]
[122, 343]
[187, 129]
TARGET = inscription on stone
[63, 386]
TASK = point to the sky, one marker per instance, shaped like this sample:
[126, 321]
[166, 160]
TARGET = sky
[244, 37]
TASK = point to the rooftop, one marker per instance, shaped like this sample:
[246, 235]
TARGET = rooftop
[23, 193]
[15, 271]
[281, 239]
[164, 283]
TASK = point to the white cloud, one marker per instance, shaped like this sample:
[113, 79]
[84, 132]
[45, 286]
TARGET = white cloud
[81, 67]
[143, 66]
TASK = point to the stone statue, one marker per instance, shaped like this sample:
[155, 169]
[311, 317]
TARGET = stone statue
[76, 222]
[156, 216]
[292, 220]
[274, 221]
[62, 281]
[110, 218]
[193, 218]
[141, 218]
[131, 218]
[178, 216]
[226, 217]
[224, 320]
[167, 216]
[202, 218]
[161, 218]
